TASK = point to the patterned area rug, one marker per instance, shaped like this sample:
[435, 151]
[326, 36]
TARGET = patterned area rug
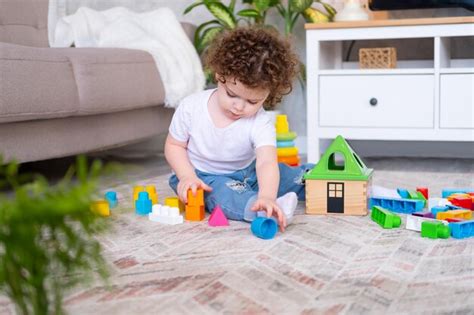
[320, 265]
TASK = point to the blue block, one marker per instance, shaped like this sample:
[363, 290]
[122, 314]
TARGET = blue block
[403, 193]
[462, 229]
[111, 197]
[264, 228]
[445, 193]
[285, 144]
[143, 204]
[437, 209]
[397, 205]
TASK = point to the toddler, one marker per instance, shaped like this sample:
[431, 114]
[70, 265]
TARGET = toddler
[224, 142]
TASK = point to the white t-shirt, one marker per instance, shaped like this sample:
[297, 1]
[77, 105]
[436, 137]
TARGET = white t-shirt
[219, 150]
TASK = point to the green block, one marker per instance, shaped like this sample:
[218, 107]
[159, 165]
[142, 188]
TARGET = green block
[434, 230]
[385, 218]
[416, 195]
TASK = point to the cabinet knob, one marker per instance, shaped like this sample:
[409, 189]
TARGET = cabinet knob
[373, 101]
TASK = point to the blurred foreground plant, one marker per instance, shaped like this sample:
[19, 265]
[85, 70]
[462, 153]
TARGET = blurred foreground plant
[47, 236]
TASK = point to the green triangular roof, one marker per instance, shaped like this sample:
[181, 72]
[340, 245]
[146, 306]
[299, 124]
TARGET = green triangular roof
[352, 169]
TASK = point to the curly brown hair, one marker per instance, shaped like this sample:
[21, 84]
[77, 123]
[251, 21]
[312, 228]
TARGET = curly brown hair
[257, 57]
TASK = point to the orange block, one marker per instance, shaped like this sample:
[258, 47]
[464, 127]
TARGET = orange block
[291, 160]
[194, 213]
[196, 200]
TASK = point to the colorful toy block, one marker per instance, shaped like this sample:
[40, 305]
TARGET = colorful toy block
[433, 202]
[287, 136]
[143, 204]
[281, 124]
[423, 190]
[197, 199]
[151, 190]
[285, 144]
[414, 222]
[424, 214]
[111, 197]
[218, 217]
[165, 215]
[463, 202]
[101, 207]
[290, 160]
[403, 193]
[264, 228]
[172, 202]
[437, 209]
[287, 151]
[445, 193]
[136, 191]
[455, 214]
[463, 229]
[434, 230]
[194, 213]
[397, 205]
[453, 220]
[385, 218]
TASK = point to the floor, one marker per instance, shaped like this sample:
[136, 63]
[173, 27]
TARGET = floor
[321, 265]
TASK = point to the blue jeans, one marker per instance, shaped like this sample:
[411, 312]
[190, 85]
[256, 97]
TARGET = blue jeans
[236, 192]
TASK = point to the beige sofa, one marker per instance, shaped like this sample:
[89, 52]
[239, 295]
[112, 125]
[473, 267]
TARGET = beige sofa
[57, 102]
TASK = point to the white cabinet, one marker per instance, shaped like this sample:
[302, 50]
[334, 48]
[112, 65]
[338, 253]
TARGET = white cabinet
[420, 100]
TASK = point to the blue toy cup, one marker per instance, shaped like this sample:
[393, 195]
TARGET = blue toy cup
[111, 197]
[264, 228]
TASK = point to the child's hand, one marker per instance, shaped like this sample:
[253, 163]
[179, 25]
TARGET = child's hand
[192, 183]
[271, 208]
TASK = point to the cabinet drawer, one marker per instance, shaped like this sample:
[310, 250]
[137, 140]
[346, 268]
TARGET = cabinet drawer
[457, 101]
[376, 101]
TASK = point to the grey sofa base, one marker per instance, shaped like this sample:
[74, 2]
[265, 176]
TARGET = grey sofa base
[43, 139]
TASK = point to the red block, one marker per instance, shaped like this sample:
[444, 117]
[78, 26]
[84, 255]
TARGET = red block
[463, 202]
[423, 190]
[453, 220]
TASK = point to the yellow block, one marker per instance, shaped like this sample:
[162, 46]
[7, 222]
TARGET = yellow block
[455, 214]
[151, 190]
[136, 191]
[101, 207]
[281, 124]
[172, 202]
[287, 151]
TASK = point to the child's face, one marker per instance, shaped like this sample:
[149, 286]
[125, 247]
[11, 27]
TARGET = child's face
[237, 100]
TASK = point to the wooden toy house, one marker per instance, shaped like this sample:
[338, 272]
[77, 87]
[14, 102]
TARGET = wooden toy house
[338, 183]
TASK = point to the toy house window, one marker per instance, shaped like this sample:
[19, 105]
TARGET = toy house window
[336, 161]
[335, 190]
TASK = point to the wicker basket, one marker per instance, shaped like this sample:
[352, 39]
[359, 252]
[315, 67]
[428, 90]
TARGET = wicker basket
[378, 58]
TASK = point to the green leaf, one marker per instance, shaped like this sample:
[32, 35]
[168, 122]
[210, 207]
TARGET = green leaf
[299, 5]
[329, 9]
[192, 6]
[261, 5]
[208, 36]
[222, 13]
[232, 5]
[248, 13]
[274, 2]
[197, 33]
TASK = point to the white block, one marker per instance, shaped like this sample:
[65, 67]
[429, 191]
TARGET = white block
[165, 211]
[173, 212]
[434, 202]
[165, 215]
[156, 209]
[414, 222]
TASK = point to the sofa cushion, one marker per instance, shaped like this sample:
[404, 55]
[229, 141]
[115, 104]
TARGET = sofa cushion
[39, 83]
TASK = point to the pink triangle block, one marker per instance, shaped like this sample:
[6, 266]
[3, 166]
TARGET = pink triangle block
[218, 217]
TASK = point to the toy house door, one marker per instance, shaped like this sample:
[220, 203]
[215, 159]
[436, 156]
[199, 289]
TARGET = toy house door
[335, 198]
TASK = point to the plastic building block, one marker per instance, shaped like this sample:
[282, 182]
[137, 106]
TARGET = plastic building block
[463, 229]
[463, 202]
[101, 207]
[385, 218]
[111, 197]
[434, 230]
[218, 217]
[264, 228]
[195, 200]
[423, 190]
[281, 124]
[136, 191]
[424, 214]
[151, 190]
[397, 205]
[413, 195]
[433, 202]
[194, 213]
[165, 215]
[286, 136]
[453, 220]
[414, 222]
[285, 144]
[436, 209]
[287, 151]
[290, 160]
[456, 214]
[172, 202]
[403, 193]
[143, 204]
[445, 193]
